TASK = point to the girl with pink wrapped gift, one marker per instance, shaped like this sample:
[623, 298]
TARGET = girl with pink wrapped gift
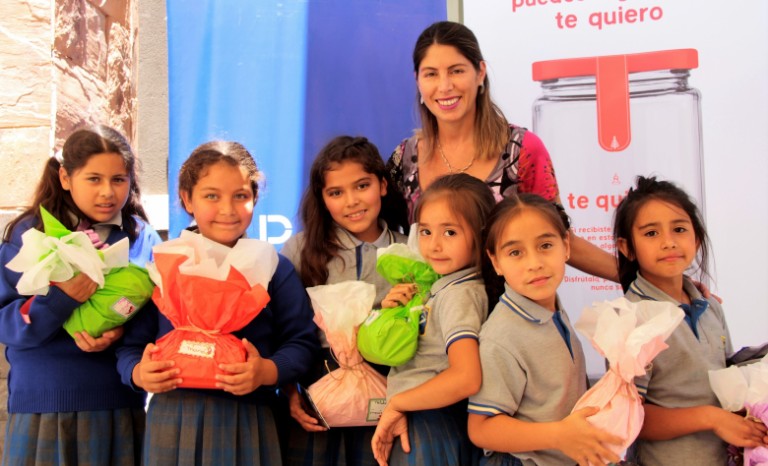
[221, 352]
[533, 363]
[66, 402]
[659, 234]
[348, 211]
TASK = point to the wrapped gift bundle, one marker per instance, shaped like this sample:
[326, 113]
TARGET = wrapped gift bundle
[745, 388]
[354, 394]
[57, 254]
[390, 336]
[629, 335]
[208, 291]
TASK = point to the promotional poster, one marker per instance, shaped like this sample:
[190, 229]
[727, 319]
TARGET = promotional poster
[620, 88]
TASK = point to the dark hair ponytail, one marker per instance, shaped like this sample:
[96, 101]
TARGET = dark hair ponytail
[79, 147]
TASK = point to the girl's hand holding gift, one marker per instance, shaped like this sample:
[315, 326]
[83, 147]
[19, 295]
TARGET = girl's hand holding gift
[80, 287]
[307, 422]
[738, 430]
[585, 443]
[740, 389]
[155, 376]
[399, 295]
[245, 377]
[87, 343]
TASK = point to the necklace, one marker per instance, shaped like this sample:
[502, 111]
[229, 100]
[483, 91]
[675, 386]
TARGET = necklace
[448, 164]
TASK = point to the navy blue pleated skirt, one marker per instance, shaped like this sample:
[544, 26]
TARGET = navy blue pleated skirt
[94, 438]
[500, 459]
[192, 428]
[438, 438]
[339, 446]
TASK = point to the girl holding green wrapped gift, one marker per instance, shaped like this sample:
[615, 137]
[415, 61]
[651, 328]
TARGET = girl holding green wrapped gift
[66, 402]
[349, 212]
[427, 408]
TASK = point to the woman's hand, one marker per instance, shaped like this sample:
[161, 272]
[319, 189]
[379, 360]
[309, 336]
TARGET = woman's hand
[399, 295]
[155, 376]
[87, 343]
[307, 422]
[393, 423]
[705, 291]
[244, 377]
[80, 287]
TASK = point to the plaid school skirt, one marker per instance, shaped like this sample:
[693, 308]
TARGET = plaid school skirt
[438, 438]
[340, 446]
[192, 428]
[500, 459]
[110, 437]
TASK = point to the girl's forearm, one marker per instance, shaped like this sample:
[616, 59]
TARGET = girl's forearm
[459, 381]
[446, 388]
[669, 423]
[506, 434]
[589, 258]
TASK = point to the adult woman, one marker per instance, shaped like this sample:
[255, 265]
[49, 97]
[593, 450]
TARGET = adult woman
[463, 131]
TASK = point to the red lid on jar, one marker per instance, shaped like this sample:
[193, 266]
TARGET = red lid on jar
[678, 59]
[611, 74]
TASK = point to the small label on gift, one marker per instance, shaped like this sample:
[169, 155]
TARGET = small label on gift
[124, 307]
[373, 315]
[199, 349]
[375, 408]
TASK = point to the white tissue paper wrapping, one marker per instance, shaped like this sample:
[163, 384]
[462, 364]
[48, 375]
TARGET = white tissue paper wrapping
[629, 335]
[410, 250]
[745, 387]
[353, 394]
[43, 259]
[256, 260]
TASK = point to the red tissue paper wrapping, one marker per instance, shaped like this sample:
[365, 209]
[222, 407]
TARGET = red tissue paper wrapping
[208, 291]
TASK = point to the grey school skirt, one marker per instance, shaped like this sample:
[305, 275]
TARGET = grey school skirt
[192, 428]
[437, 437]
[110, 437]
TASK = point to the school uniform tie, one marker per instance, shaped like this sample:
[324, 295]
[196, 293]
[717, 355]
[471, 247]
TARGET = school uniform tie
[692, 313]
[563, 329]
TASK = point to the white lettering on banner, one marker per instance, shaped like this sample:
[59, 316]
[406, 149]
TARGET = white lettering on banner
[264, 220]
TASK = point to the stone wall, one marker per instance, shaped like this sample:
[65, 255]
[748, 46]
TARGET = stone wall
[65, 63]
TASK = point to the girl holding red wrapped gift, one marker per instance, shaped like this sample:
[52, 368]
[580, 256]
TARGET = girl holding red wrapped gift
[66, 402]
[426, 407]
[233, 424]
[659, 234]
[349, 211]
[533, 363]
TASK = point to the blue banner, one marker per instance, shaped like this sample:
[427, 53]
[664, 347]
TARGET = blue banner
[284, 77]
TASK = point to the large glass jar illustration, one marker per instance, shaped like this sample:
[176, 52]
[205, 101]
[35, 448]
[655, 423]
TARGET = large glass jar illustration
[606, 120]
